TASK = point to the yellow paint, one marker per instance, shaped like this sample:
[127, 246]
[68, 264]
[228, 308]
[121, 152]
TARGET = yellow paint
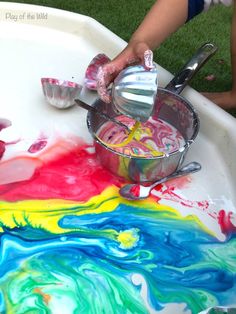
[127, 239]
[125, 142]
[140, 131]
[47, 213]
[135, 134]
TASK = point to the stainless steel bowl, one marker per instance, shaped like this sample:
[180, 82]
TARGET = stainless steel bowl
[170, 107]
[178, 112]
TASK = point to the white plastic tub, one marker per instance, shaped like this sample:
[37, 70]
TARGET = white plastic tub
[40, 42]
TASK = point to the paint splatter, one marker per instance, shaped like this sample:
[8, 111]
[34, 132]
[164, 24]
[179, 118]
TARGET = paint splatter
[37, 146]
[225, 222]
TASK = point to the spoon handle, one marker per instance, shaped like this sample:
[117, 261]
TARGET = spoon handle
[101, 114]
[189, 168]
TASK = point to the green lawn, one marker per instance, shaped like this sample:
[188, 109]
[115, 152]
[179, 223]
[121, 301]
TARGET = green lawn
[122, 17]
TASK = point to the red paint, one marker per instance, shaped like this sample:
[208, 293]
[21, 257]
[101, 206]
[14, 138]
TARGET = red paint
[76, 175]
[224, 220]
[135, 190]
[169, 194]
[180, 183]
[37, 146]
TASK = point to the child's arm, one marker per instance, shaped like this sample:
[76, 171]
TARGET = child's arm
[165, 17]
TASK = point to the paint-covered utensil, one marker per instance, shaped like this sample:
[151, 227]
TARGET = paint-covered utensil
[139, 192]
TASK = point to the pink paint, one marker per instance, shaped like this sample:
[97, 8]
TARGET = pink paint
[18, 169]
[153, 135]
[148, 59]
[37, 146]
[105, 76]
[76, 175]
[57, 82]
[179, 183]
[92, 70]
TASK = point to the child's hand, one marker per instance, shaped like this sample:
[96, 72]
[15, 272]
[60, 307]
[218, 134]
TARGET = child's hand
[134, 53]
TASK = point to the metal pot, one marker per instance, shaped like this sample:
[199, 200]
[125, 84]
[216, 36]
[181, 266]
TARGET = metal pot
[170, 107]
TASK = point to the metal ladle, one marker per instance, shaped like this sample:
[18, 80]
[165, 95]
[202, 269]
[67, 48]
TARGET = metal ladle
[138, 192]
[134, 92]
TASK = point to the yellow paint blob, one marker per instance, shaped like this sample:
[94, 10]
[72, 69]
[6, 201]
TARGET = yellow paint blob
[128, 238]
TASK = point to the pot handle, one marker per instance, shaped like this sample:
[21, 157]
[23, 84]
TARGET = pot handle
[184, 76]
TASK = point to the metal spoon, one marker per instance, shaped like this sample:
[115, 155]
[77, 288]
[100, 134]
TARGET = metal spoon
[137, 191]
[101, 114]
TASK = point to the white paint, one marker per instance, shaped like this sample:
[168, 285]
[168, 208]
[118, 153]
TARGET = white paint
[180, 308]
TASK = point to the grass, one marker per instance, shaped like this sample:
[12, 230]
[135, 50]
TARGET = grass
[122, 17]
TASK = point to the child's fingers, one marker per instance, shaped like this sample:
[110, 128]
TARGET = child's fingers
[104, 79]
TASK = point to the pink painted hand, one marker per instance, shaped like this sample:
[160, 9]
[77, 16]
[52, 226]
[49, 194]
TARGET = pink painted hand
[134, 53]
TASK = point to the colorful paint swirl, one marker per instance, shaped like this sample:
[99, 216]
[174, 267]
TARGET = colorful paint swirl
[152, 138]
[70, 244]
